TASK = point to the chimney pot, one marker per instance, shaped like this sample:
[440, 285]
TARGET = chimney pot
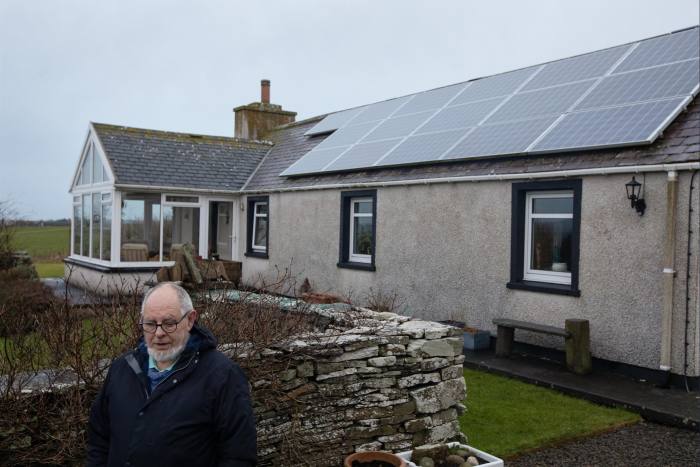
[265, 91]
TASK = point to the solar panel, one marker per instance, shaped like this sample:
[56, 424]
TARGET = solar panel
[334, 121]
[663, 49]
[460, 116]
[363, 155]
[430, 100]
[314, 161]
[493, 86]
[397, 127]
[420, 148]
[347, 135]
[576, 68]
[502, 138]
[651, 83]
[549, 101]
[380, 110]
[616, 96]
[617, 125]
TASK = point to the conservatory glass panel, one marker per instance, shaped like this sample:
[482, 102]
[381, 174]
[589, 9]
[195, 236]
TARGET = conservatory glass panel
[140, 221]
[180, 226]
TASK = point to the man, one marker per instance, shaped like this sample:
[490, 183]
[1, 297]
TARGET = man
[174, 400]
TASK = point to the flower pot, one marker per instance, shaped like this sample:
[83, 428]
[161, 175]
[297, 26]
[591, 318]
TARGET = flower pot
[476, 339]
[485, 459]
[361, 458]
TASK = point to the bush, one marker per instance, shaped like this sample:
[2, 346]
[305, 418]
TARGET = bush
[21, 302]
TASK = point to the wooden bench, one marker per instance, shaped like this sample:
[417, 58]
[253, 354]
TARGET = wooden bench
[576, 334]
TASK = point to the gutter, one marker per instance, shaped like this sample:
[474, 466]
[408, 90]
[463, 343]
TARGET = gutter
[176, 189]
[493, 177]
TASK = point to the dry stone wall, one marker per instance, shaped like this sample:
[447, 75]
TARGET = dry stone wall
[389, 383]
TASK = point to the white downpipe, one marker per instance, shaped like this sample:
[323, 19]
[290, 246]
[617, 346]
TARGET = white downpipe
[669, 272]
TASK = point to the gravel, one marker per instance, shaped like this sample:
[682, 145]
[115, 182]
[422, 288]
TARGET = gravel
[644, 443]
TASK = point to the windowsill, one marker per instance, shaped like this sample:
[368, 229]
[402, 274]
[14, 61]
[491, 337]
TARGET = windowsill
[257, 254]
[359, 266]
[557, 289]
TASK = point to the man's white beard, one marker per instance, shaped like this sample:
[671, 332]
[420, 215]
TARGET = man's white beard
[166, 355]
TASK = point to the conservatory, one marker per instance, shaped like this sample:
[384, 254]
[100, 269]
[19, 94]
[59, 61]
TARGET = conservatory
[126, 221]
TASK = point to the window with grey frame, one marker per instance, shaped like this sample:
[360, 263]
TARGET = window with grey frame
[358, 229]
[545, 231]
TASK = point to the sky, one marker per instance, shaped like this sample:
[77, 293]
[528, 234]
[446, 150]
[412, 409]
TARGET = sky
[183, 65]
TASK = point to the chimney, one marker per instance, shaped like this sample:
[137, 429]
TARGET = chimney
[265, 91]
[254, 120]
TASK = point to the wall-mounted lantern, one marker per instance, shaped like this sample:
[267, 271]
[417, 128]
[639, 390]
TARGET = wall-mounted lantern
[634, 188]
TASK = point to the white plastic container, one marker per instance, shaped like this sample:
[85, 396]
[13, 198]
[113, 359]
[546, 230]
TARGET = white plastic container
[493, 461]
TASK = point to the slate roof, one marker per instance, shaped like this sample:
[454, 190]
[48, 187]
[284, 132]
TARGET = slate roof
[166, 159]
[679, 143]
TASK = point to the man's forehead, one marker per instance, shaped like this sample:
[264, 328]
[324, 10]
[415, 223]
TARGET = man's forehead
[162, 302]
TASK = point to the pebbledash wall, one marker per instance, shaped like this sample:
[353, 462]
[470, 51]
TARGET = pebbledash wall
[446, 250]
[389, 383]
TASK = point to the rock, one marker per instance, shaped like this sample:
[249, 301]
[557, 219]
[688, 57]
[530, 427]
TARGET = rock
[471, 461]
[441, 396]
[305, 370]
[452, 372]
[363, 353]
[453, 460]
[463, 453]
[420, 378]
[434, 451]
[438, 348]
[426, 462]
[432, 364]
[288, 375]
[337, 374]
[382, 361]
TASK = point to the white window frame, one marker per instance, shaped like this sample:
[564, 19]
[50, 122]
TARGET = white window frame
[354, 257]
[260, 248]
[538, 275]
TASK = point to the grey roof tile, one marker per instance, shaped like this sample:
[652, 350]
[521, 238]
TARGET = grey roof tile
[161, 158]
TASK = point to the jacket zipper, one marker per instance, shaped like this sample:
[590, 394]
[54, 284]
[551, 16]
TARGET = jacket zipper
[171, 374]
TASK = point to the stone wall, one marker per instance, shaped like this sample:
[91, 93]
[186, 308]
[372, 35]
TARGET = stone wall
[388, 382]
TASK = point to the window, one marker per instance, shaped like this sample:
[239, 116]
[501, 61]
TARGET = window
[545, 236]
[92, 171]
[258, 226]
[140, 227]
[358, 229]
[92, 225]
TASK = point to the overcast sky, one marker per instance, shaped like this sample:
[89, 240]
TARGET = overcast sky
[183, 65]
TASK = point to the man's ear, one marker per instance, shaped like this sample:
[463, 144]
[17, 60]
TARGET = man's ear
[191, 318]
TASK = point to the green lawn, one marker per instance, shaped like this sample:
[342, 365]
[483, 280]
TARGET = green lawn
[44, 244]
[505, 417]
[47, 247]
[49, 269]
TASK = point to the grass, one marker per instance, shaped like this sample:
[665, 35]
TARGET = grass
[506, 417]
[49, 269]
[47, 247]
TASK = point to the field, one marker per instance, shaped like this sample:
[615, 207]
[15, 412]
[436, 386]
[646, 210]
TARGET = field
[506, 417]
[47, 247]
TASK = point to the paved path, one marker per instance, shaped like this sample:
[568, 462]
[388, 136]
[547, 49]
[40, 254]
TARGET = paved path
[642, 444]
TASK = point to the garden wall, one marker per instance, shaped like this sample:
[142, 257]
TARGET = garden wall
[387, 383]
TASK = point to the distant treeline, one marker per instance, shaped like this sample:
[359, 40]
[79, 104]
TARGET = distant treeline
[41, 223]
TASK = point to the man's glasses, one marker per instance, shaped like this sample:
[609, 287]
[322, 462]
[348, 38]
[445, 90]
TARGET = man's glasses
[168, 326]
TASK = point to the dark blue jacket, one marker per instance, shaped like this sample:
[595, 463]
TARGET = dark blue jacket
[200, 415]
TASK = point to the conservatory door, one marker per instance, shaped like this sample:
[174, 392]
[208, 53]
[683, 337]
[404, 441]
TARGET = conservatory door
[221, 214]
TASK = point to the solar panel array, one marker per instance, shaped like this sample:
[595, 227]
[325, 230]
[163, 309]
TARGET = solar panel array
[618, 96]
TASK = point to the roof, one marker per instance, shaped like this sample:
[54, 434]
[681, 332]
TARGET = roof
[150, 158]
[679, 143]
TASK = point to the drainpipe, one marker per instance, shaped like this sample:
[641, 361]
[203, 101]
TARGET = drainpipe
[669, 271]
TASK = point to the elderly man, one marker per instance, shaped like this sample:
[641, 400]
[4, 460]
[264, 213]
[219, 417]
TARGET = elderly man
[174, 400]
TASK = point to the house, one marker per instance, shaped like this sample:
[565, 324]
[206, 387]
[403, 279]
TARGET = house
[504, 196]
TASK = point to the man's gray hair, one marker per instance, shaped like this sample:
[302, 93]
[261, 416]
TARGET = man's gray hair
[182, 296]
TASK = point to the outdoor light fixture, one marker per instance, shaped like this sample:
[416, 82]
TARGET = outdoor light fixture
[633, 188]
